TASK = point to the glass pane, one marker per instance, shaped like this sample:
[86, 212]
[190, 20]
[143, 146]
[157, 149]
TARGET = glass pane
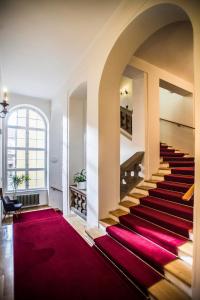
[12, 120]
[36, 159]
[21, 135]
[9, 180]
[37, 179]
[35, 120]
[36, 139]
[20, 159]
[21, 117]
[21, 186]
[10, 186]
[11, 159]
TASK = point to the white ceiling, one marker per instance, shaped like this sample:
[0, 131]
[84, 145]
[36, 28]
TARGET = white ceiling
[41, 40]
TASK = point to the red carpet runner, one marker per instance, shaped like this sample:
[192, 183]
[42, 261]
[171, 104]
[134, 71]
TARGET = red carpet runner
[51, 261]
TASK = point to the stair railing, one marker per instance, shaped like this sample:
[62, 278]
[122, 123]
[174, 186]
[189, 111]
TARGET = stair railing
[188, 195]
[126, 119]
[129, 173]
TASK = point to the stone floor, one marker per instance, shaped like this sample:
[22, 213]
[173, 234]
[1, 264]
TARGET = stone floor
[6, 250]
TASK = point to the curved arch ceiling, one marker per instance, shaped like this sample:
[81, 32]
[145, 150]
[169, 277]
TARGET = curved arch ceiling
[171, 48]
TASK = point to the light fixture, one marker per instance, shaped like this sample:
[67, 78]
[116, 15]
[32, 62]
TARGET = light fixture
[124, 92]
[4, 104]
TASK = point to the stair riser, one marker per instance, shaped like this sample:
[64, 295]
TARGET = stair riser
[140, 191]
[164, 172]
[132, 199]
[160, 178]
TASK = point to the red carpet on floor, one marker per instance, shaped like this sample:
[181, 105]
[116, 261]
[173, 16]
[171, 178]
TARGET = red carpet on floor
[51, 261]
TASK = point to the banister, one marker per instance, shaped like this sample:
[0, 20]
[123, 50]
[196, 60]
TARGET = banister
[129, 173]
[176, 123]
[188, 195]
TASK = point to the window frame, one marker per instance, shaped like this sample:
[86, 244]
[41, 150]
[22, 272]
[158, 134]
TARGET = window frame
[26, 148]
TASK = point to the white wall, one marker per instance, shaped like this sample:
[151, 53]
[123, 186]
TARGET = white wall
[176, 108]
[136, 101]
[77, 136]
[56, 154]
[45, 106]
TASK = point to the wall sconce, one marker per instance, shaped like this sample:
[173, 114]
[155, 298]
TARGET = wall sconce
[4, 104]
[124, 92]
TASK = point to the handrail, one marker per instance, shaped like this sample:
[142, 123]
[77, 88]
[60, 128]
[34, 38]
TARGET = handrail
[135, 158]
[178, 124]
[56, 189]
[188, 195]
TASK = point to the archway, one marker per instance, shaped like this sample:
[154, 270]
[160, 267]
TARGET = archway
[129, 40]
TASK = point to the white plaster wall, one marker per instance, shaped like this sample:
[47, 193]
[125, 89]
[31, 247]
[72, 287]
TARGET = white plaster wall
[45, 106]
[77, 136]
[176, 108]
[56, 154]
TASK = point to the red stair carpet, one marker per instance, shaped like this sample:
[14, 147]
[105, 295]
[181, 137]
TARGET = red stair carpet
[148, 251]
[51, 261]
[158, 235]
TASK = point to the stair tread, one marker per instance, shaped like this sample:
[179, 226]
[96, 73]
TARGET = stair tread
[108, 222]
[179, 210]
[126, 203]
[174, 186]
[130, 264]
[162, 219]
[158, 174]
[169, 240]
[94, 233]
[181, 270]
[152, 181]
[144, 187]
[136, 195]
[163, 290]
[180, 178]
[150, 252]
[118, 212]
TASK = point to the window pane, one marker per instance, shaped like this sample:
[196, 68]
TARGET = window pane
[20, 173]
[9, 180]
[36, 159]
[37, 179]
[21, 117]
[36, 139]
[35, 120]
[12, 120]
[11, 159]
[20, 159]
[21, 135]
[10, 186]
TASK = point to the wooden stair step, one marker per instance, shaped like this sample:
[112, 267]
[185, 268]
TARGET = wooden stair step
[136, 195]
[144, 187]
[158, 174]
[163, 290]
[94, 233]
[107, 222]
[180, 274]
[118, 212]
[126, 203]
[152, 181]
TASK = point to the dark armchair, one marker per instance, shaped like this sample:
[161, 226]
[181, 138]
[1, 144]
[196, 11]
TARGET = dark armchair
[10, 205]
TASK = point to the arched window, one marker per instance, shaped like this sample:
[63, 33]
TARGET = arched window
[26, 147]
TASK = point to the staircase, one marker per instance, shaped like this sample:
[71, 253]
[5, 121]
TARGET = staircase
[149, 236]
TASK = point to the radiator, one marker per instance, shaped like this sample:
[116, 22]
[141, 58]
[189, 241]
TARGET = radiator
[28, 200]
